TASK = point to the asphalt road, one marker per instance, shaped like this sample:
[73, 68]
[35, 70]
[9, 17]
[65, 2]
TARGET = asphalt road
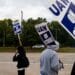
[8, 67]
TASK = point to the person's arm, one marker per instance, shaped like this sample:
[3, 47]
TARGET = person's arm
[73, 69]
[15, 57]
[55, 63]
[62, 66]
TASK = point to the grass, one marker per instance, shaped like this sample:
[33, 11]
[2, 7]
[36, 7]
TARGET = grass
[67, 49]
[29, 49]
[13, 49]
[7, 49]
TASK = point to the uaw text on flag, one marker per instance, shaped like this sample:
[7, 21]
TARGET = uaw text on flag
[44, 33]
[16, 27]
[63, 11]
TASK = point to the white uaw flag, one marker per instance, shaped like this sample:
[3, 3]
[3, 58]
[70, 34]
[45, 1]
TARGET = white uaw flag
[16, 27]
[63, 11]
[44, 33]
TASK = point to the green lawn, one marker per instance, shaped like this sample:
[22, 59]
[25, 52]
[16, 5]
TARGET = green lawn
[67, 49]
[29, 49]
[7, 49]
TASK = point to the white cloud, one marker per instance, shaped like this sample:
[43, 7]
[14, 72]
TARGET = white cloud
[12, 8]
[31, 8]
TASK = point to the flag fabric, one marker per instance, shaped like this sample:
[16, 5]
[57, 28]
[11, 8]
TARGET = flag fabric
[44, 33]
[16, 27]
[63, 11]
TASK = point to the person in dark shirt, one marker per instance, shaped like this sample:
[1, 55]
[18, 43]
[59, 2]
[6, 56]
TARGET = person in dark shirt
[73, 69]
[21, 59]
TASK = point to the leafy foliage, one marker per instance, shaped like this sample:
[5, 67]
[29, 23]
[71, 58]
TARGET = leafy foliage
[29, 36]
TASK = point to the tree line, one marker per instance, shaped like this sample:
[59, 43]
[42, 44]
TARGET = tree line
[29, 36]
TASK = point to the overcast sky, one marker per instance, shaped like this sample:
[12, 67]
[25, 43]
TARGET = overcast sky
[31, 8]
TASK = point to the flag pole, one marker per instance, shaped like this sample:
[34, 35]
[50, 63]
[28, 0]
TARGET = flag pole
[21, 26]
[21, 17]
[19, 39]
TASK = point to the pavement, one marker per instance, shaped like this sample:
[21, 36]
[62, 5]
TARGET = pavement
[8, 67]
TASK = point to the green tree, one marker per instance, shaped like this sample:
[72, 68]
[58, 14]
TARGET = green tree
[29, 34]
[61, 34]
